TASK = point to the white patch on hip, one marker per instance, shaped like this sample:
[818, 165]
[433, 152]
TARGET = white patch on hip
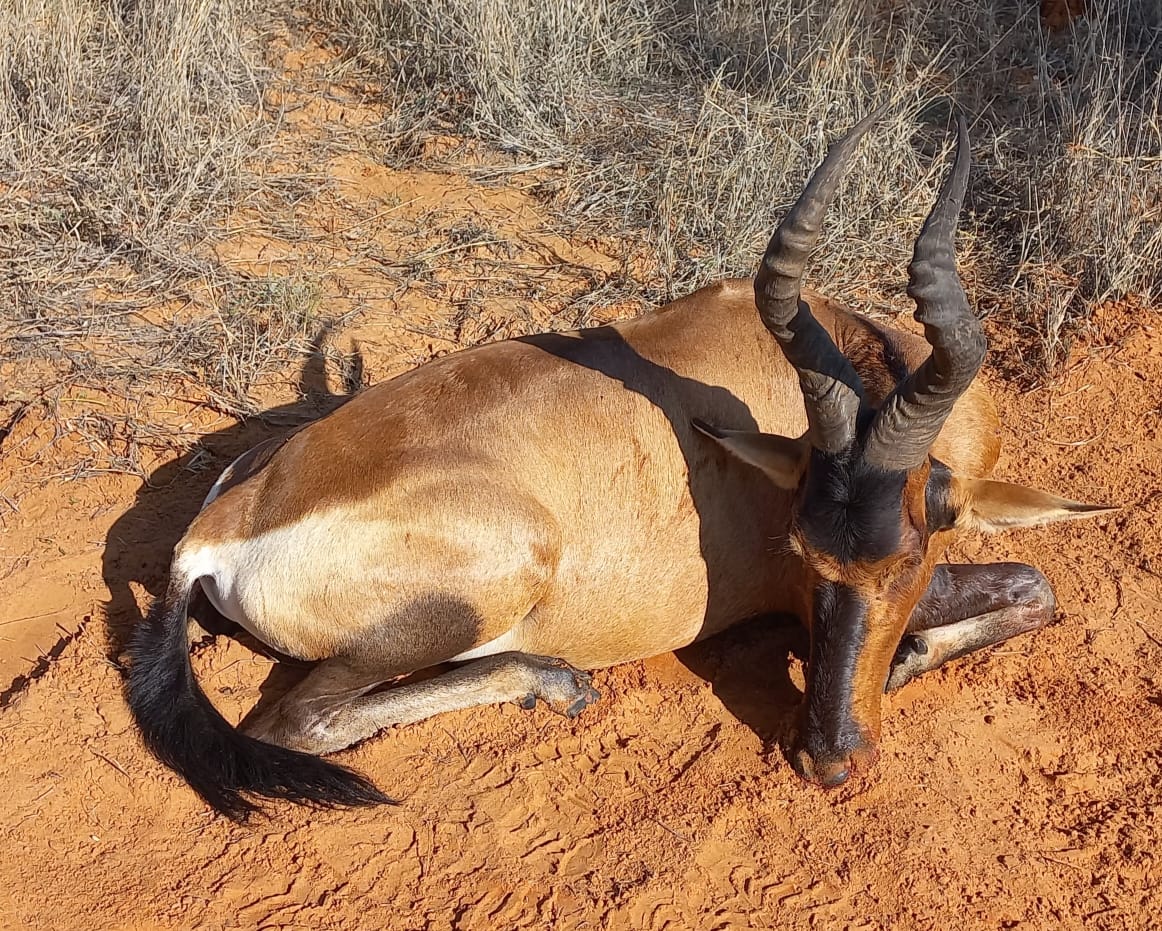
[290, 584]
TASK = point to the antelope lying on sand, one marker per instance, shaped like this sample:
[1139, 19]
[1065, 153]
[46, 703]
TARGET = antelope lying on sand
[532, 508]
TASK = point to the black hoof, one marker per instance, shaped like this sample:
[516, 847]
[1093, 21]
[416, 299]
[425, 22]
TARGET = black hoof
[590, 696]
[908, 663]
[910, 646]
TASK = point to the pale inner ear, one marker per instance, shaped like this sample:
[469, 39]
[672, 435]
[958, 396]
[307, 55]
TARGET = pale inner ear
[986, 505]
[780, 457]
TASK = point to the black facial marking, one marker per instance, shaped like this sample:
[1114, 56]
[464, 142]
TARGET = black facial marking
[938, 498]
[838, 632]
[849, 509]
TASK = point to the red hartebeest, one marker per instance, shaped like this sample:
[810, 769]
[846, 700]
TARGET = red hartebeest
[532, 508]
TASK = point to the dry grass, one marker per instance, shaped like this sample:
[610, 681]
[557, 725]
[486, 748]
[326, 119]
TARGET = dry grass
[692, 125]
[123, 125]
[124, 131]
[129, 130]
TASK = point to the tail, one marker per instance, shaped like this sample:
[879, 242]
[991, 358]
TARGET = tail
[223, 765]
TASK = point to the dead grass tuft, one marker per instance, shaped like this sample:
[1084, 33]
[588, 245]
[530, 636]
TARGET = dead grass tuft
[125, 128]
[123, 125]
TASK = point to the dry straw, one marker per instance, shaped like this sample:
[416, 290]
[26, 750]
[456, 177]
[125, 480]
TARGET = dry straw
[128, 128]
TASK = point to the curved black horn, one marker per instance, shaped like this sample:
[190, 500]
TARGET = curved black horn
[831, 388]
[912, 415]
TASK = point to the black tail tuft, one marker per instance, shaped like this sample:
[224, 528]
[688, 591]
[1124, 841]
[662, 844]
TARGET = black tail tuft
[223, 765]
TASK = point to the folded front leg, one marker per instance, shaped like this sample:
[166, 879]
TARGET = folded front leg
[967, 608]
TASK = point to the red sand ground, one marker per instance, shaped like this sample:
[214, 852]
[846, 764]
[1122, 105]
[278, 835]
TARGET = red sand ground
[1017, 789]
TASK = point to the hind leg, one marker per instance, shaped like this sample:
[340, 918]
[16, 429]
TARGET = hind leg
[967, 608]
[332, 708]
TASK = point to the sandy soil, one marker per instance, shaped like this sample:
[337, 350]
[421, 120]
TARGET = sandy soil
[1018, 789]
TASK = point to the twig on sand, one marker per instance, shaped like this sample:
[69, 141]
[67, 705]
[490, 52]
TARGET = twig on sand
[670, 830]
[33, 617]
[117, 766]
[1072, 866]
[1156, 641]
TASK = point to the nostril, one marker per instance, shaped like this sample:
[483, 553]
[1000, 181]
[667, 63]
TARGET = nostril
[826, 775]
[829, 766]
[837, 778]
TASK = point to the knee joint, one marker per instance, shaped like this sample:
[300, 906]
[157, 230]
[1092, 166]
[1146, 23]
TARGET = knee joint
[1030, 587]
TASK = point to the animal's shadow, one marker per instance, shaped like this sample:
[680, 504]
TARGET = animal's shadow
[746, 666]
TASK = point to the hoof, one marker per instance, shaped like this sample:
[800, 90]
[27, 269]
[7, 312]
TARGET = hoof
[567, 691]
[910, 660]
[591, 695]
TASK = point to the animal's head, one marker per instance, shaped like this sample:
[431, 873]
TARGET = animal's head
[871, 504]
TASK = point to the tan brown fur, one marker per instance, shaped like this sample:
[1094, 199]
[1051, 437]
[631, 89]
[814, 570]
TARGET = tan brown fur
[383, 455]
[551, 497]
[563, 500]
[887, 620]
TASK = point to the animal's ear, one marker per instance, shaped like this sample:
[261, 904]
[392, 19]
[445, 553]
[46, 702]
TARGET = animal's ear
[780, 457]
[986, 505]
